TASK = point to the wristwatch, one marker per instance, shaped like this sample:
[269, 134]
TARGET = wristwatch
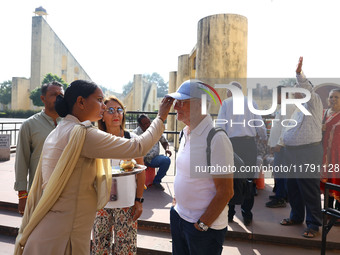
[202, 226]
[139, 199]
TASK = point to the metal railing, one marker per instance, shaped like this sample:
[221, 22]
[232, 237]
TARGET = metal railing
[12, 128]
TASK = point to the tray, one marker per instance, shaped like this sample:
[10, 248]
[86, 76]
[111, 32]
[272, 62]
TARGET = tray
[116, 170]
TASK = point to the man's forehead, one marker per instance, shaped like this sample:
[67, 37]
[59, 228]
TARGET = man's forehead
[145, 120]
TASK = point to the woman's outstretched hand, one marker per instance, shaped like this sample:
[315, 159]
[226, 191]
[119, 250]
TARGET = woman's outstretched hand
[164, 107]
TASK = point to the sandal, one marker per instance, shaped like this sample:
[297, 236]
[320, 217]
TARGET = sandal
[310, 233]
[288, 222]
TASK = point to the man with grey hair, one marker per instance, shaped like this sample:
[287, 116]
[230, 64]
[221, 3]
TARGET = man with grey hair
[242, 136]
[198, 219]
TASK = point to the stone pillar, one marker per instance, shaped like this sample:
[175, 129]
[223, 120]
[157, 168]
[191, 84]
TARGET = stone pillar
[171, 118]
[183, 74]
[20, 94]
[137, 92]
[222, 51]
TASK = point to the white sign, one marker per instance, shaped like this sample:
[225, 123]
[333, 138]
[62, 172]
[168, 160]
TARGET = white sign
[5, 141]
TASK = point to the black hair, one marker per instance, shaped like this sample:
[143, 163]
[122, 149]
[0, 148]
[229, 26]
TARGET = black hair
[45, 86]
[142, 116]
[64, 104]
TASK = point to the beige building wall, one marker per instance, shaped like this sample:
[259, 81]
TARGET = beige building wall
[137, 89]
[149, 102]
[142, 97]
[222, 51]
[128, 101]
[20, 93]
[50, 55]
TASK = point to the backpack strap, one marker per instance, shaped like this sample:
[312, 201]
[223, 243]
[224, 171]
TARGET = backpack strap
[127, 134]
[180, 136]
[211, 134]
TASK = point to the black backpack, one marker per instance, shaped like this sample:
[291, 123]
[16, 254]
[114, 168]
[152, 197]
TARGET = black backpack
[240, 184]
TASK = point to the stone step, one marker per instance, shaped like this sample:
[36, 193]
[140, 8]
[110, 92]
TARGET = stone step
[151, 243]
[10, 222]
[8, 206]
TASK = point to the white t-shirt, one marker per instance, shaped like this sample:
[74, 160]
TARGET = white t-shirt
[194, 190]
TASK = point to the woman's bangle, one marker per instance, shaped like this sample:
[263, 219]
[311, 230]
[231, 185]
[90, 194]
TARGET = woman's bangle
[161, 118]
[22, 197]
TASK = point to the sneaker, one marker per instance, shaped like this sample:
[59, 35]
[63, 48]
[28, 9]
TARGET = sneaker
[276, 203]
[158, 186]
[272, 197]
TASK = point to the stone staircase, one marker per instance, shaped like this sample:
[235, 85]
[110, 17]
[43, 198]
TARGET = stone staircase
[154, 237]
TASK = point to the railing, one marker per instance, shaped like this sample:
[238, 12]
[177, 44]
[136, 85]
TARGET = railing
[11, 128]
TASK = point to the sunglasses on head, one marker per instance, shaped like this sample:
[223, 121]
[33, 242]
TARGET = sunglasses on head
[112, 110]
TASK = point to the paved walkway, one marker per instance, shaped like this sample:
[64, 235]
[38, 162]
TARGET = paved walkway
[157, 204]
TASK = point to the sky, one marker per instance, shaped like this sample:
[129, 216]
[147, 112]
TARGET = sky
[113, 40]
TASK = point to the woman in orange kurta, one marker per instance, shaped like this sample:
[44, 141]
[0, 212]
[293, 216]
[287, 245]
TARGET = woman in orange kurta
[331, 146]
[61, 207]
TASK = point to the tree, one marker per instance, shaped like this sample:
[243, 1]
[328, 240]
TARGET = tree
[53, 77]
[5, 92]
[36, 93]
[290, 82]
[35, 97]
[162, 87]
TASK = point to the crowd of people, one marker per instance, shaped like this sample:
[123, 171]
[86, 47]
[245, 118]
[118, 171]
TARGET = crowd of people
[70, 187]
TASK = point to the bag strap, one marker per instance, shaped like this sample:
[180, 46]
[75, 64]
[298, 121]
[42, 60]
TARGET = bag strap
[127, 134]
[180, 136]
[211, 134]
[325, 116]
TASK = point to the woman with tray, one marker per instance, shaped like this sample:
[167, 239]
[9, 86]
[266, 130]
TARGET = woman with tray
[124, 208]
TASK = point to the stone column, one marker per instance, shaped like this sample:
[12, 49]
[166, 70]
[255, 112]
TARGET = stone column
[137, 92]
[222, 51]
[183, 74]
[171, 118]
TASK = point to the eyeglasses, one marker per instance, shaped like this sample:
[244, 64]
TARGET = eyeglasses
[112, 110]
[180, 103]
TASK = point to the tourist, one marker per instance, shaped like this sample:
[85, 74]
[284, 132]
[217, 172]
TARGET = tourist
[118, 218]
[31, 138]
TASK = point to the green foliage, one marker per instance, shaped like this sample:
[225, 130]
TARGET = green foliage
[289, 82]
[162, 87]
[53, 77]
[35, 97]
[36, 93]
[5, 92]
[17, 114]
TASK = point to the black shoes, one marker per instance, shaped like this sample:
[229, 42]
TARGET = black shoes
[158, 186]
[247, 221]
[276, 203]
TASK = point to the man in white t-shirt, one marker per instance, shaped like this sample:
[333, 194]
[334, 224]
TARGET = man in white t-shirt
[199, 217]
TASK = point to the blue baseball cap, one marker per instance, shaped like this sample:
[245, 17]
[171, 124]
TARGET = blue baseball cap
[190, 89]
